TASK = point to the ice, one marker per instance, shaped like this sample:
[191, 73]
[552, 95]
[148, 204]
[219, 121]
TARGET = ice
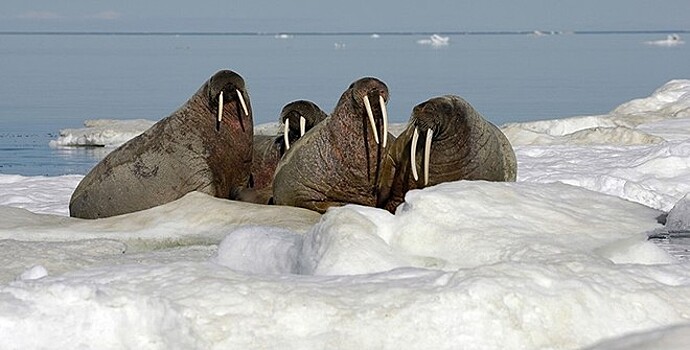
[46, 195]
[278, 247]
[675, 337]
[435, 41]
[102, 132]
[670, 41]
[678, 218]
[33, 273]
[559, 259]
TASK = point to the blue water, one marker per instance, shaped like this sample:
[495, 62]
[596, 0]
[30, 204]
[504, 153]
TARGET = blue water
[53, 81]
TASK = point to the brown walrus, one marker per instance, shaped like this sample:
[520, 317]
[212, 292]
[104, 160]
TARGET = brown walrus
[205, 145]
[298, 117]
[339, 160]
[446, 140]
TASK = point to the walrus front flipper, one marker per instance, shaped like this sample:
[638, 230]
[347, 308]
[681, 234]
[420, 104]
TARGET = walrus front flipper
[445, 140]
[182, 153]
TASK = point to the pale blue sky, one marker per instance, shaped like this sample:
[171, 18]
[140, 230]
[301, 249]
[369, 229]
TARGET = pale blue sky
[345, 15]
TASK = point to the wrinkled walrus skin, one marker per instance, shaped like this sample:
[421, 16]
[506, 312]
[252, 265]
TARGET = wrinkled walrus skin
[464, 146]
[190, 150]
[268, 149]
[339, 160]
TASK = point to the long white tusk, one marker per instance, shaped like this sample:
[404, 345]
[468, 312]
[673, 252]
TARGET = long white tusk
[413, 149]
[220, 107]
[244, 105]
[427, 154]
[371, 118]
[286, 139]
[382, 103]
[302, 126]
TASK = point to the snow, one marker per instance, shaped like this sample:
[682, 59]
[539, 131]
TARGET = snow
[559, 259]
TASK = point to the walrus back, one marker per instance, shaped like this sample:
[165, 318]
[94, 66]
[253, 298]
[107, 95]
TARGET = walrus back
[144, 172]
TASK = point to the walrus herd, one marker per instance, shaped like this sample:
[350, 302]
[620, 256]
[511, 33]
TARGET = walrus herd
[318, 161]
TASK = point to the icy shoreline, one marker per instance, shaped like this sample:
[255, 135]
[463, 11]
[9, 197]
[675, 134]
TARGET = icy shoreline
[559, 259]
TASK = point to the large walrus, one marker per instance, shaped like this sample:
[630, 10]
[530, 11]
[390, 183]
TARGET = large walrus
[339, 160]
[446, 140]
[205, 145]
[298, 117]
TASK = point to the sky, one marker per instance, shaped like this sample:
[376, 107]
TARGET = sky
[350, 15]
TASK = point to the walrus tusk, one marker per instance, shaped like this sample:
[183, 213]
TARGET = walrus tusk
[220, 107]
[244, 105]
[427, 154]
[285, 134]
[413, 149]
[371, 118]
[382, 103]
[302, 126]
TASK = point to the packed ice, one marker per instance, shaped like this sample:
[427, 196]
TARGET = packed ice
[559, 259]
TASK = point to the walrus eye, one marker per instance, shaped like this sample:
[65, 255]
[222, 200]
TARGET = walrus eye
[302, 126]
[367, 105]
[244, 104]
[286, 139]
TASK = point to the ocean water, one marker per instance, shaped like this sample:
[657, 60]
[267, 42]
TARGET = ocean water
[52, 81]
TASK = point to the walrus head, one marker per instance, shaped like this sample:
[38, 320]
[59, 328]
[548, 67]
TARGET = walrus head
[365, 100]
[189, 150]
[299, 117]
[226, 88]
[446, 140]
[339, 160]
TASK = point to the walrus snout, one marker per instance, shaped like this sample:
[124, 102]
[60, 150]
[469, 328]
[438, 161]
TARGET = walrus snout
[372, 94]
[227, 87]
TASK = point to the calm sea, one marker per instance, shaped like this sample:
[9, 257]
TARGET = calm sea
[51, 81]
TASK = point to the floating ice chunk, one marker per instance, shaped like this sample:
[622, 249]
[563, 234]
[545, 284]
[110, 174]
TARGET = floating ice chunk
[671, 40]
[435, 40]
[102, 132]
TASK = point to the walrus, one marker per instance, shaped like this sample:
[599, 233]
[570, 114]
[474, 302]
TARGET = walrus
[298, 117]
[339, 160]
[205, 146]
[445, 140]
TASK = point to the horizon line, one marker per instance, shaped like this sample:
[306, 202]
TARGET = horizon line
[341, 33]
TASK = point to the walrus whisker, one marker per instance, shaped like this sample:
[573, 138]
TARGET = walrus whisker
[302, 126]
[382, 103]
[371, 118]
[220, 107]
[286, 139]
[413, 149]
[427, 154]
[244, 105]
